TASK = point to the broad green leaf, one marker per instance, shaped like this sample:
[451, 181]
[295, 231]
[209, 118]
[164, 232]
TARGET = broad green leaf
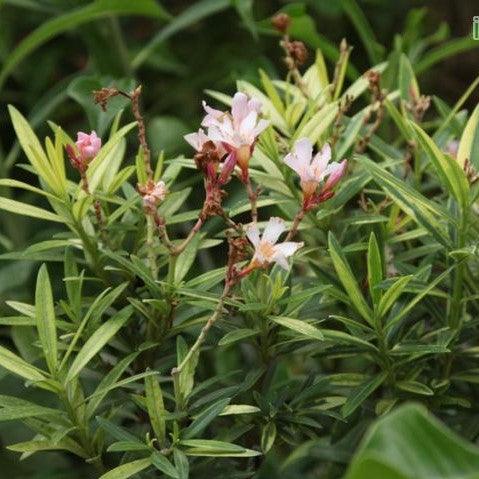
[469, 144]
[45, 318]
[181, 463]
[156, 408]
[97, 341]
[347, 278]
[409, 443]
[298, 326]
[127, 470]
[361, 393]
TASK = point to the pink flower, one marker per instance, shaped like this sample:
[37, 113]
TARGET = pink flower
[313, 171]
[88, 145]
[267, 250]
[237, 130]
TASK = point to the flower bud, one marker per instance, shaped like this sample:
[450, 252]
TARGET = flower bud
[88, 145]
[281, 22]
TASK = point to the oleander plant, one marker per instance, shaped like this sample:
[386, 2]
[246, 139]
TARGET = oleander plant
[296, 298]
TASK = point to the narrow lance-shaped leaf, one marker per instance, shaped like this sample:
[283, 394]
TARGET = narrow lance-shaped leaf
[375, 269]
[156, 407]
[348, 280]
[45, 318]
[97, 341]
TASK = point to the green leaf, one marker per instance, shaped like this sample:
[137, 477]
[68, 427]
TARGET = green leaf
[17, 365]
[181, 463]
[65, 444]
[445, 51]
[271, 91]
[449, 171]
[425, 212]
[186, 258]
[365, 31]
[409, 443]
[299, 326]
[469, 144]
[45, 318]
[346, 276]
[408, 86]
[127, 470]
[200, 423]
[361, 393]
[156, 407]
[21, 412]
[375, 269]
[212, 448]
[392, 294]
[415, 387]
[188, 17]
[237, 335]
[97, 341]
[164, 465]
[61, 23]
[24, 209]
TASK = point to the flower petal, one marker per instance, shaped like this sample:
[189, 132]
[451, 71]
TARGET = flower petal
[273, 230]
[239, 108]
[252, 232]
[288, 248]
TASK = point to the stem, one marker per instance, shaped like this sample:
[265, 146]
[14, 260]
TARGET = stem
[456, 305]
[253, 196]
[202, 336]
[294, 227]
[150, 228]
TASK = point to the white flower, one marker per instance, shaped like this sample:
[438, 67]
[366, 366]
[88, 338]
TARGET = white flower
[239, 128]
[266, 249]
[314, 170]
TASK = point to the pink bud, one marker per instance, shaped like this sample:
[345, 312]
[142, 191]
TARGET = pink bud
[335, 176]
[88, 144]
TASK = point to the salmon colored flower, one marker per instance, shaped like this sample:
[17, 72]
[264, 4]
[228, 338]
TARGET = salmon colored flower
[267, 250]
[314, 171]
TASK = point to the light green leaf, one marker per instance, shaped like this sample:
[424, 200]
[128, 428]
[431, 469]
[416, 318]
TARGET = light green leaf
[127, 470]
[97, 341]
[348, 280]
[299, 326]
[469, 144]
[361, 393]
[45, 318]
[409, 443]
[156, 408]
[17, 365]
[24, 209]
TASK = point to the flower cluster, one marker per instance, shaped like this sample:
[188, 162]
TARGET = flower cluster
[152, 194]
[315, 172]
[233, 134]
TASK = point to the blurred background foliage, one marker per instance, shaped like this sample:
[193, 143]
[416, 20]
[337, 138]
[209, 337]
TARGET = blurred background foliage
[53, 53]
